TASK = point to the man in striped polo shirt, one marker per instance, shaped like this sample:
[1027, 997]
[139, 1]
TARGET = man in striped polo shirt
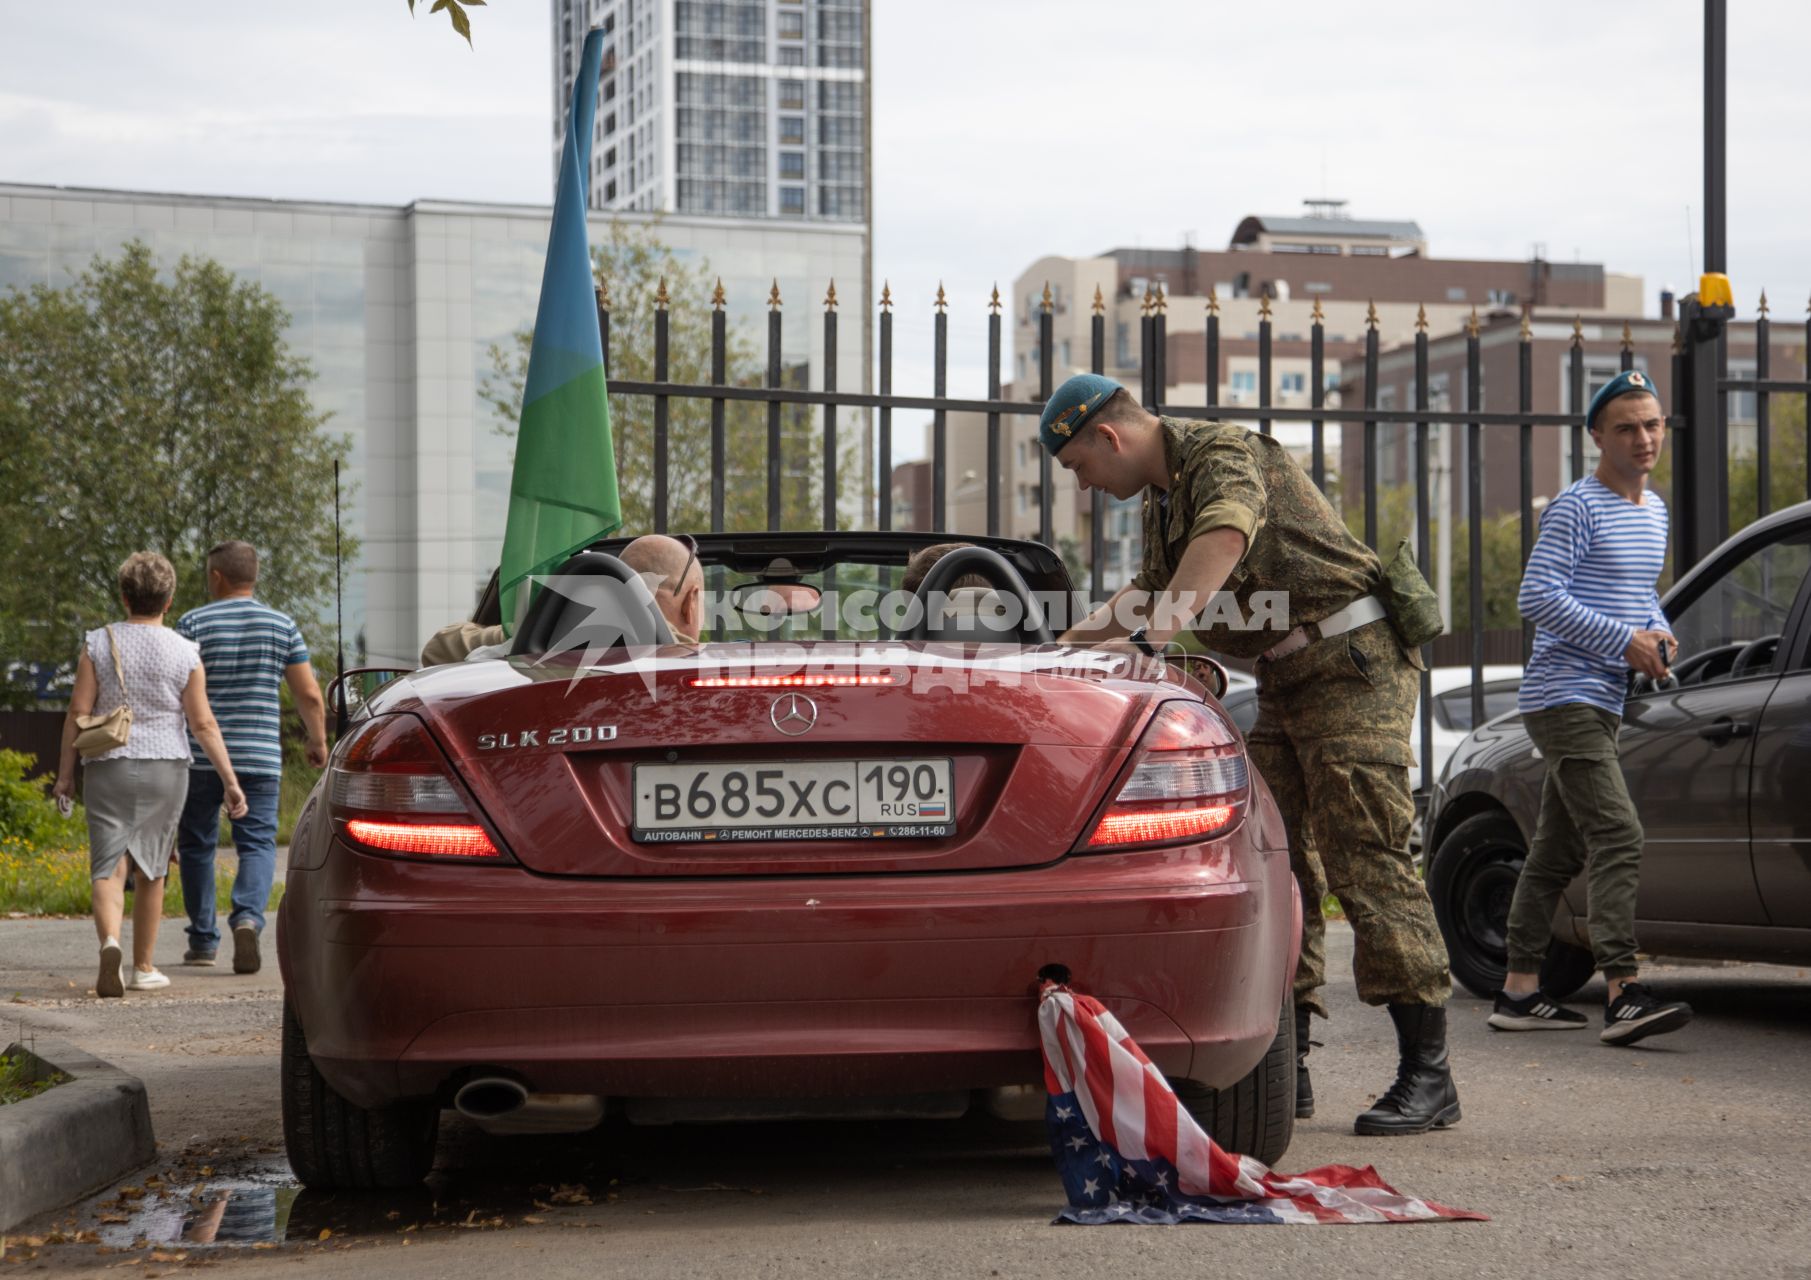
[247, 650]
[1589, 590]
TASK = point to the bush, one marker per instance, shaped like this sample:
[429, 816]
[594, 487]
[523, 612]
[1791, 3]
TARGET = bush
[54, 882]
[26, 810]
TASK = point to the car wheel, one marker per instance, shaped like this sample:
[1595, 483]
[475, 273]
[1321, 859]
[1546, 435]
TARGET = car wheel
[1256, 1116]
[1471, 880]
[334, 1143]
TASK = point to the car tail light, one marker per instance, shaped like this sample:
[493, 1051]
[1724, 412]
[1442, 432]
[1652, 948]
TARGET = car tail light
[1189, 781]
[389, 790]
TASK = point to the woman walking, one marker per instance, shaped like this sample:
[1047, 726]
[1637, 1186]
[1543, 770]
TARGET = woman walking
[135, 790]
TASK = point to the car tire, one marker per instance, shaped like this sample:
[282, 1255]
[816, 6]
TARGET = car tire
[1256, 1116]
[335, 1143]
[1471, 879]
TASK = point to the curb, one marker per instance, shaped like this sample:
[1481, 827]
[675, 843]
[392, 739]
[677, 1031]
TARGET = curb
[73, 1139]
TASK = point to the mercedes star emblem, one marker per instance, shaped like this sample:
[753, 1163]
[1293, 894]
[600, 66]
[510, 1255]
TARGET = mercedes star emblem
[793, 714]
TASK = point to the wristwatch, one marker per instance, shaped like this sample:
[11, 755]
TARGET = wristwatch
[1144, 646]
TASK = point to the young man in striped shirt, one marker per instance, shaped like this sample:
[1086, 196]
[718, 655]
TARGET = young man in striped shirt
[247, 649]
[1589, 590]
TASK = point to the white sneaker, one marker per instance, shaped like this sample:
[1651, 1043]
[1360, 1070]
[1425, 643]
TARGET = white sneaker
[108, 982]
[147, 980]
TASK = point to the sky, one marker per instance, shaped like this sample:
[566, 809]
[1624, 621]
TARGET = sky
[1005, 129]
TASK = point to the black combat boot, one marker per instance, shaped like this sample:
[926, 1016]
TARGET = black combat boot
[1423, 1096]
[1304, 1087]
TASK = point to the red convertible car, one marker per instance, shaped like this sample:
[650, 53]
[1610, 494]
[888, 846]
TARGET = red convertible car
[805, 871]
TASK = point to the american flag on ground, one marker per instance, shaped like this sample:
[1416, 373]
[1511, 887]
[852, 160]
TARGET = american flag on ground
[1128, 1151]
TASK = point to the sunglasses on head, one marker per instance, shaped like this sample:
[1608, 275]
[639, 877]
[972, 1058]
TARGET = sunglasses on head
[691, 547]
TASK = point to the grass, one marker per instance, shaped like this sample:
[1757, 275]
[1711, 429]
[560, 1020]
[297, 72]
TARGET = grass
[54, 882]
[21, 1077]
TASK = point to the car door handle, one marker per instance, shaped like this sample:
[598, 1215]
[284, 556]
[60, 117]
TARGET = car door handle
[1722, 729]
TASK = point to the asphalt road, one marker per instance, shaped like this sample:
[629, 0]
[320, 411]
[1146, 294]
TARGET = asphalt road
[1685, 1156]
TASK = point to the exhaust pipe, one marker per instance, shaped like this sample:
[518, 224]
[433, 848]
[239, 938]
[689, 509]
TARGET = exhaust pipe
[498, 1104]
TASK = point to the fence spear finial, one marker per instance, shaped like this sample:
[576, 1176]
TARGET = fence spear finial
[1163, 303]
[830, 297]
[1316, 315]
[1578, 331]
[1527, 323]
[1420, 319]
[1100, 303]
[1046, 302]
[1213, 301]
[993, 303]
[1763, 302]
[941, 302]
[717, 298]
[1264, 306]
[773, 297]
[886, 295]
[603, 294]
[660, 295]
[1144, 308]
[1628, 338]
[1471, 325]
[1371, 314]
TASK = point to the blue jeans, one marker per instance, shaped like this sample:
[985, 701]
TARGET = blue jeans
[254, 836]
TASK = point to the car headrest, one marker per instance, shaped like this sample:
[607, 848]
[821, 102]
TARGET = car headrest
[592, 601]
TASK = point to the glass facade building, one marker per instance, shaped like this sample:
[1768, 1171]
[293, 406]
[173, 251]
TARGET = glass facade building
[397, 308]
[739, 108]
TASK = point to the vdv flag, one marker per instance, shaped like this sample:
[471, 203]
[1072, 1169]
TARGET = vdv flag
[1128, 1151]
[562, 495]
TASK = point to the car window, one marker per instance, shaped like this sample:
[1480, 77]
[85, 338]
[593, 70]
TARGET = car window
[1455, 704]
[1242, 706]
[1749, 602]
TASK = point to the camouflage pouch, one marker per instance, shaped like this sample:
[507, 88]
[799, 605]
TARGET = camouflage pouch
[1413, 607]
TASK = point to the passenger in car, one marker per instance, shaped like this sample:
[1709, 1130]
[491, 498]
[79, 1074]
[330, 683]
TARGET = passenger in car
[919, 567]
[1337, 666]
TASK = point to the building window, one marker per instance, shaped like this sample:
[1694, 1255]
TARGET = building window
[792, 200]
[1244, 381]
[1500, 297]
[610, 158]
[791, 56]
[791, 26]
[792, 164]
[1292, 383]
[610, 190]
[792, 95]
[1317, 286]
[609, 90]
[792, 131]
[1455, 293]
[1370, 251]
[610, 123]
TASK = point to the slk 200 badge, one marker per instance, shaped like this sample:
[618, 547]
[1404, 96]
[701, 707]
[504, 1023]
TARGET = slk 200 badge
[576, 735]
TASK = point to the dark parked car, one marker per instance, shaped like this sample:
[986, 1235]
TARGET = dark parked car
[1719, 766]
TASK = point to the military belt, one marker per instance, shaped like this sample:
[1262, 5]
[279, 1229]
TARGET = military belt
[1363, 610]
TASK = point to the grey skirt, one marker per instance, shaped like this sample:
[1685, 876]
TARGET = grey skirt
[134, 807]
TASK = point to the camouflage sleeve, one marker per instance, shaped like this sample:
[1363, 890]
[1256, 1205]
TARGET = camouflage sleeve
[1226, 488]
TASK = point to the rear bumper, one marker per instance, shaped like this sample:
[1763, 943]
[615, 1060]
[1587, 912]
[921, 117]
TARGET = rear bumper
[408, 977]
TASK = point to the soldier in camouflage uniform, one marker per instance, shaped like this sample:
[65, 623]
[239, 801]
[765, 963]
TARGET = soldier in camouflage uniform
[1229, 508]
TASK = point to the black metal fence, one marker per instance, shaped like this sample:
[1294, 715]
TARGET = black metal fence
[1700, 381]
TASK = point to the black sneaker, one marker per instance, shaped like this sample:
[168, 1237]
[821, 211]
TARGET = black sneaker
[1636, 1015]
[198, 956]
[1533, 1012]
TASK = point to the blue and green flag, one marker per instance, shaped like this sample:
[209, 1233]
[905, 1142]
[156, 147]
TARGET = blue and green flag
[562, 495]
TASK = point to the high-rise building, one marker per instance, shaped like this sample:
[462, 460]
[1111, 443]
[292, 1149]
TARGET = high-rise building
[739, 108]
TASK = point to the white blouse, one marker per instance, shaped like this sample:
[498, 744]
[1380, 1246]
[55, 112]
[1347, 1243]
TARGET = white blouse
[158, 663]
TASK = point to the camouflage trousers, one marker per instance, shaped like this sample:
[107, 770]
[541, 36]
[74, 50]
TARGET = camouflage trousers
[1332, 743]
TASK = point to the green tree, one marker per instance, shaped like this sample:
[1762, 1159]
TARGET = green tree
[635, 267]
[142, 410]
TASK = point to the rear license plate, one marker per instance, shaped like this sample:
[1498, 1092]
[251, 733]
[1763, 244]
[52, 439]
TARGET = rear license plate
[794, 800]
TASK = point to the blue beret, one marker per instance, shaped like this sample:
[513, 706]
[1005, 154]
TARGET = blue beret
[1076, 401]
[1632, 382]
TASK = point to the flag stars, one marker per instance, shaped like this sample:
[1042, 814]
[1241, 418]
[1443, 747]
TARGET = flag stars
[1076, 1144]
[1091, 1188]
[1065, 1113]
[1103, 1156]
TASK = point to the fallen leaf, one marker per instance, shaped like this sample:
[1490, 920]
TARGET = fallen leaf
[131, 1193]
[158, 1256]
[1687, 1080]
[325, 1232]
[533, 1221]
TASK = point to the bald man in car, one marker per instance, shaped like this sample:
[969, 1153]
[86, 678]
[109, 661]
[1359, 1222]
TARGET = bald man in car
[670, 568]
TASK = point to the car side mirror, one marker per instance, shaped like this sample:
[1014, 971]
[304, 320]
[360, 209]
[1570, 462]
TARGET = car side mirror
[350, 691]
[1204, 670]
